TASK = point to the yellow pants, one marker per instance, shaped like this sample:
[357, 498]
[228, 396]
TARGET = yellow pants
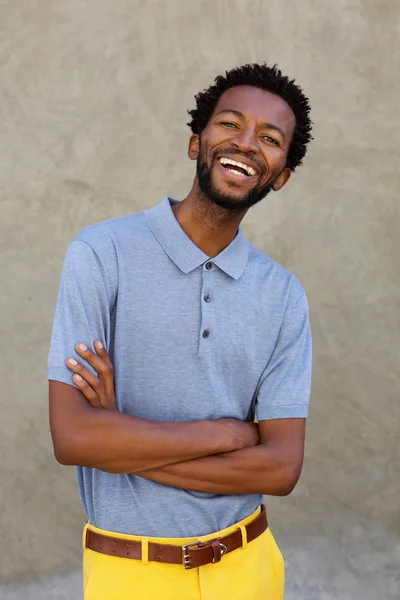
[254, 572]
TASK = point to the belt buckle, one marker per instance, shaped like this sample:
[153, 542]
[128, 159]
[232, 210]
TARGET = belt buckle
[224, 550]
[185, 555]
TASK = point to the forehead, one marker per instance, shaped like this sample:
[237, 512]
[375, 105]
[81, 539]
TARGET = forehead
[259, 105]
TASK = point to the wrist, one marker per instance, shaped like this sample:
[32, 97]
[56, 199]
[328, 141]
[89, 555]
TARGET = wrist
[228, 434]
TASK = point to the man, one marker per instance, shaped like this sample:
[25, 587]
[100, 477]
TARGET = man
[171, 334]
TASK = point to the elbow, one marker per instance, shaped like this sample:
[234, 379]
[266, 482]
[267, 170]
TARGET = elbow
[289, 480]
[285, 481]
[66, 448]
[74, 449]
[286, 488]
[62, 454]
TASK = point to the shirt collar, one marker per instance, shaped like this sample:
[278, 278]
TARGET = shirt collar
[184, 253]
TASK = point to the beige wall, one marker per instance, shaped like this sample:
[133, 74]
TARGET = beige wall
[93, 101]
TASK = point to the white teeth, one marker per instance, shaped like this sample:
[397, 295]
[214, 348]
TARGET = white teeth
[228, 161]
[238, 173]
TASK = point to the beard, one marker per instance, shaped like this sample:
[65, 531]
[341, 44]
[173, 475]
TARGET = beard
[225, 200]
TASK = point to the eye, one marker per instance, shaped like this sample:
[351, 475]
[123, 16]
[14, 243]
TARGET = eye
[271, 140]
[228, 124]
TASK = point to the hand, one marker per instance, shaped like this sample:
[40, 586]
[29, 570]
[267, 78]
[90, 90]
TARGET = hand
[249, 434]
[98, 390]
[245, 434]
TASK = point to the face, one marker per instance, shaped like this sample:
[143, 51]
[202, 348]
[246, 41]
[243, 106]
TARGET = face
[241, 154]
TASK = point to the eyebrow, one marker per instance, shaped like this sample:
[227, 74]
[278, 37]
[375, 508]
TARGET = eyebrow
[242, 117]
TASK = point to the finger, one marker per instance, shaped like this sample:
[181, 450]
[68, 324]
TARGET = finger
[86, 390]
[103, 367]
[90, 378]
[102, 352]
[108, 380]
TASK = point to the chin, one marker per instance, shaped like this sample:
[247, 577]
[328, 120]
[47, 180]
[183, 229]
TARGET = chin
[234, 203]
[228, 195]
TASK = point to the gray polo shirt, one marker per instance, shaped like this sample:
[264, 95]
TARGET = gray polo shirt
[191, 337]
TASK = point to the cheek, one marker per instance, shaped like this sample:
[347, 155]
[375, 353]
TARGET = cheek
[216, 142]
[276, 161]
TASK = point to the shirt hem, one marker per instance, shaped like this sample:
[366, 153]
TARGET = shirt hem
[61, 374]
[291, 411]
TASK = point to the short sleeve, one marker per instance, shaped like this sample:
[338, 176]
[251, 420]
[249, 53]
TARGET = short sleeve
[83, 311]
[286, 382]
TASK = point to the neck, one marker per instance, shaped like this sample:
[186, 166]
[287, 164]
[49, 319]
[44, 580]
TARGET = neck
[209, 226]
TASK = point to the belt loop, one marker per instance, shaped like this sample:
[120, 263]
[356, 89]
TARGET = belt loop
[84, 535]
[145, 550]
[244, 535]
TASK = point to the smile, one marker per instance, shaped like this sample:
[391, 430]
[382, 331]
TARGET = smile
[236, 170]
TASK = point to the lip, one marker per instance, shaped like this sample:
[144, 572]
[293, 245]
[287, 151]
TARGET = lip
[236, 176]
[243, 160]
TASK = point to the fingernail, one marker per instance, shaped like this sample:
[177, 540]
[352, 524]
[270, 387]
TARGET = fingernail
[72, 361]
[78, 377]
[100, 345]
[82, 347]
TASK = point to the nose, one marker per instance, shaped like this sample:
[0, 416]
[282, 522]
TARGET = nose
[246, 140]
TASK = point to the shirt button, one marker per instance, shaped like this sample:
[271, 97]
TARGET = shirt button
[208, 266]
[206, 333]
[207, 298]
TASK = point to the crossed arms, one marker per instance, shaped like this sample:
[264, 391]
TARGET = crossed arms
[222, 456]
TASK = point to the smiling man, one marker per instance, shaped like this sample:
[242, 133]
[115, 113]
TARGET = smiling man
[171, 333]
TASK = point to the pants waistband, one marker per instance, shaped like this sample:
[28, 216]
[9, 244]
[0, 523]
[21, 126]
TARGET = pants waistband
[190, 552]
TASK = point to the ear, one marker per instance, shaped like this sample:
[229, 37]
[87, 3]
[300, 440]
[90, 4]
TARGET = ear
[282, 179]
[194, 146]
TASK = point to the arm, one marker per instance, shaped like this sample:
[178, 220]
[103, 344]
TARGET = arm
[271, 468]
[88, 435]
[118, 443]
[274, 466]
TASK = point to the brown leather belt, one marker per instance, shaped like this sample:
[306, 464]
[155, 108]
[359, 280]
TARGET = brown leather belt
[191, 555]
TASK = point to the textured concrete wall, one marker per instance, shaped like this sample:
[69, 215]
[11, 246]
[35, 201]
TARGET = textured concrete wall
[93, 101]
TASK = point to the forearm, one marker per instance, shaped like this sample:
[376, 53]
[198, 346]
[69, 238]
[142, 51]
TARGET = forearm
[257, 470]
[120, 443]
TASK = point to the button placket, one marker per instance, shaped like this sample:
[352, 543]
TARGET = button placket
[205, 330]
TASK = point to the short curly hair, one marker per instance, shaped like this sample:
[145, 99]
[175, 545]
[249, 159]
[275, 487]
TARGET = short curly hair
[264, 78]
